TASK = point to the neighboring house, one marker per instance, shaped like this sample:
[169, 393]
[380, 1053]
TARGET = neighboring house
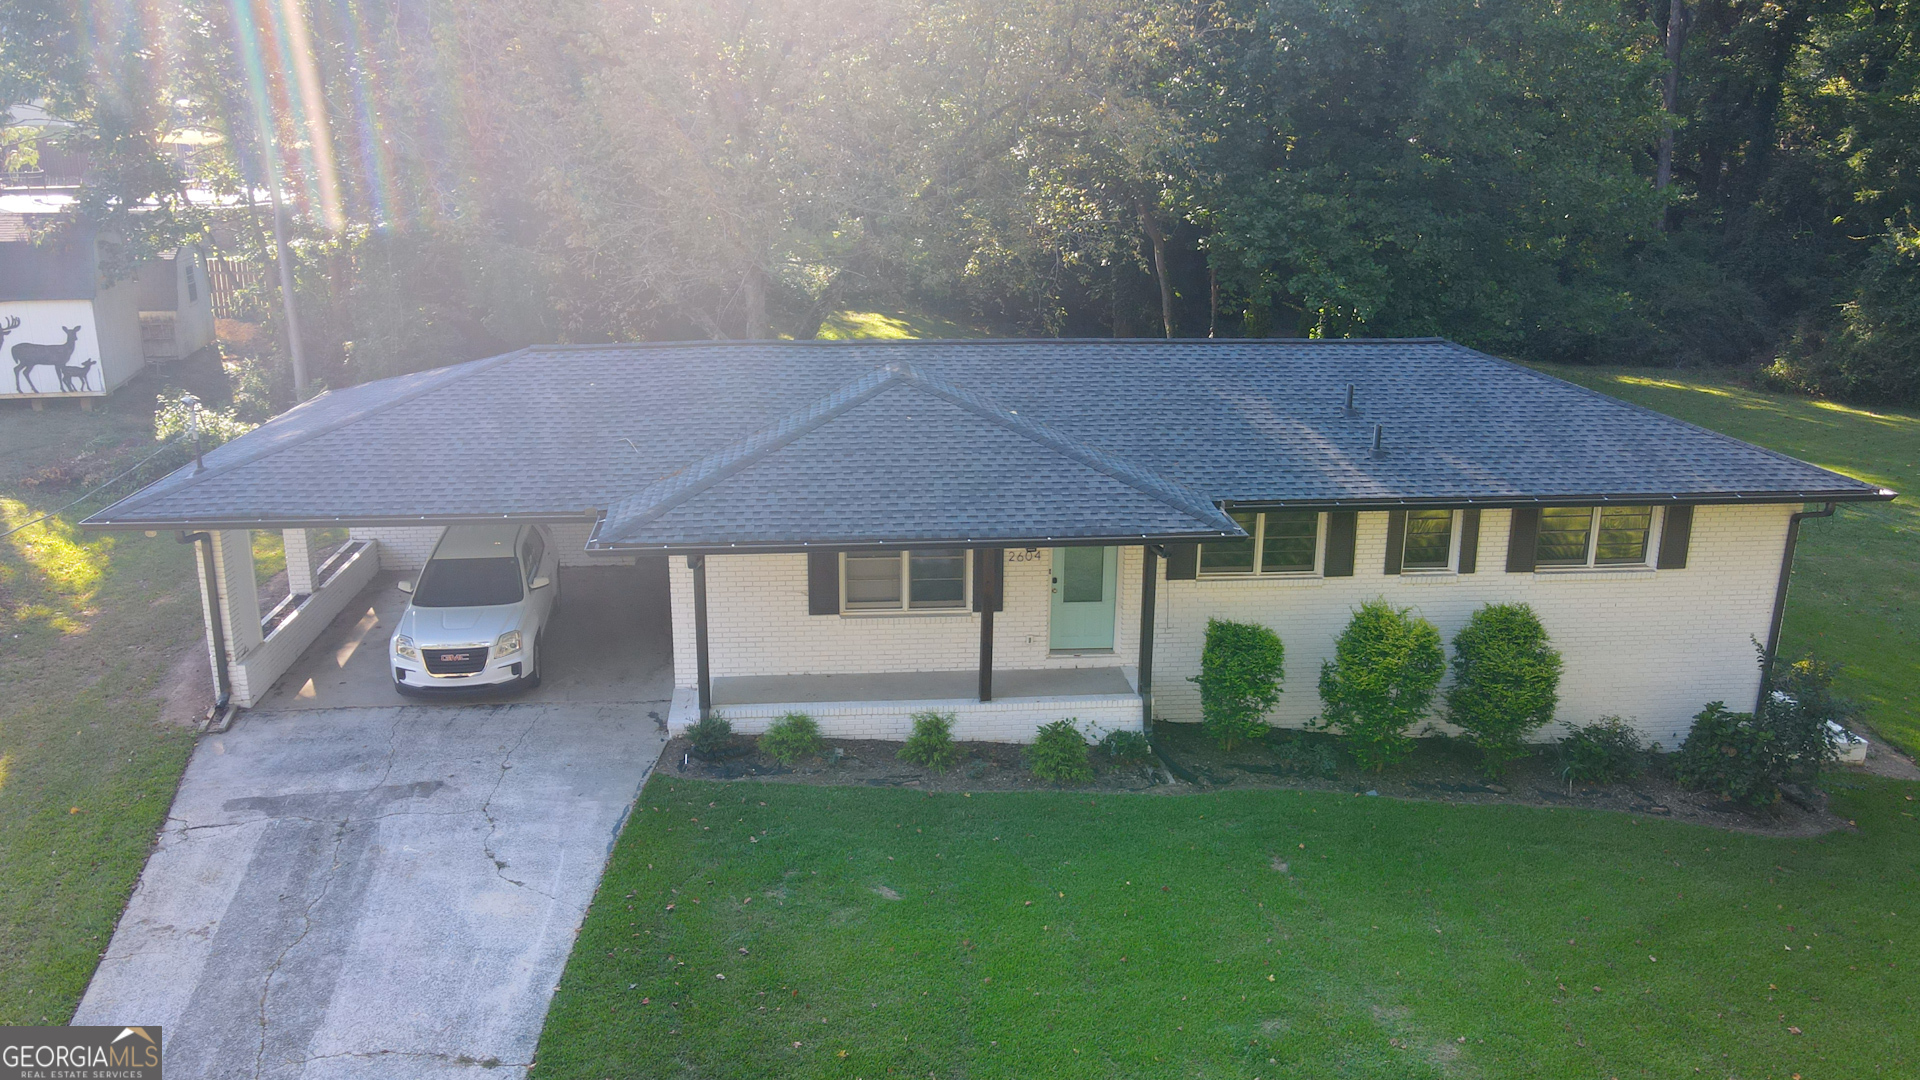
[69, 331]
[1019, 531]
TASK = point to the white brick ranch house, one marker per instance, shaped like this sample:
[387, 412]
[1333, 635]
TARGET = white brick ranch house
[1020, 531]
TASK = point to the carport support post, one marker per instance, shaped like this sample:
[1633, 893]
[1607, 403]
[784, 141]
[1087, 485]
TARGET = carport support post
[698, 564]
[1149, 585]
[300, 561]
[235, 597]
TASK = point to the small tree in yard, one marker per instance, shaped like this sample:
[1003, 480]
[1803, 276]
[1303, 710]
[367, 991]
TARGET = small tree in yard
[1506, 682]
[1241, 666]
[1386, 666]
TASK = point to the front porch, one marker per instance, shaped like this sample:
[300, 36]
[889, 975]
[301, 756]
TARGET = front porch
[758, 636]
[879, 705]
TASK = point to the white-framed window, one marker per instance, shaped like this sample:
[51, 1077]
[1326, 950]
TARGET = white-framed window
[934, 579]
[1572, 537]
[1279, 542]
[1429, 540]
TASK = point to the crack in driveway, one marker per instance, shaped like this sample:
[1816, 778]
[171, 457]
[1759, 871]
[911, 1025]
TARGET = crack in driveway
[493, 826]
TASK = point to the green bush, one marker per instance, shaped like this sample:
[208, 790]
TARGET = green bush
[1386, 666]
[1059, 754]
[1506, 682]
[710, 735]
[790, 738]
[1241, 666]
[1747, 756]
[1298, 753]
[1606, 751]
[1126, 748]
[931, 745]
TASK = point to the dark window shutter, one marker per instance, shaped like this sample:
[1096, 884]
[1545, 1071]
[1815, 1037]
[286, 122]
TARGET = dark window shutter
[823, 583]
[1522, 538]
[1469, 540]
[1396, 540]
[989, 579]
[1183, 562]
[1675, 537]
[1342, 526]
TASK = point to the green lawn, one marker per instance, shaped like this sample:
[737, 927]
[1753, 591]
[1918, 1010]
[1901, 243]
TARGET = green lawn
[822, 932]
[87, 626]
[1856, 583]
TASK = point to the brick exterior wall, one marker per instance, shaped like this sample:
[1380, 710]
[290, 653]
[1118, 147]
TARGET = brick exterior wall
[1650, 646]
[758, 624]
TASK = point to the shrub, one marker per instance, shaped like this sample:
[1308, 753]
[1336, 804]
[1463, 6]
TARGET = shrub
[1746, 757]
[1297, 753]
[1386, 666]
[1604, 752]
[931, 745]
[1506, 682]
[1059, 754]
[710, 735]
[791, 738]
[1241, 666]
[1126, 748]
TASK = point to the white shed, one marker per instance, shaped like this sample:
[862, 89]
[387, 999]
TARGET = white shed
[72, 333]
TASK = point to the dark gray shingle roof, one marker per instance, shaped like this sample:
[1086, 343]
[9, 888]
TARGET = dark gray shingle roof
[897, 456]
[575, 430]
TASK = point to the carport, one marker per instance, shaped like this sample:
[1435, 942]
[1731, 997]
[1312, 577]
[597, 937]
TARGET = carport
[323, 644]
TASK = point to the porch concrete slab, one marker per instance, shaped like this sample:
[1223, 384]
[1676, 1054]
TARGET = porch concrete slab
[373, 893]
[921, 685]
[611, 642]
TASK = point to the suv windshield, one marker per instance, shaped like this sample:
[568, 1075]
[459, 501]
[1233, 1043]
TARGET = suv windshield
[468, 583]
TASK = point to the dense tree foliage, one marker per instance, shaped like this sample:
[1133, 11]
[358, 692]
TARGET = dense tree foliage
[1666, 181]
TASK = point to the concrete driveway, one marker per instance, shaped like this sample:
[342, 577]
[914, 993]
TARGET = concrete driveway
[375, 891]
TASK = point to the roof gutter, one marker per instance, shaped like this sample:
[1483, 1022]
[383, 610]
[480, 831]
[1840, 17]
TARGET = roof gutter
[793, 547]
[1780, 598]
[1495, 502]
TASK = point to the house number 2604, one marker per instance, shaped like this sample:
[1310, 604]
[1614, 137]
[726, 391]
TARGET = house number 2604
[1024, 555]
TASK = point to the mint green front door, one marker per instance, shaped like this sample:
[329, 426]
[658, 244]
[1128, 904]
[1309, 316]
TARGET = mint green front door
[1083, 594]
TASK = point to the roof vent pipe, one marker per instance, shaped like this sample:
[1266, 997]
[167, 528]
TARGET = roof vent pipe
[1379, 440]
[1350, 409]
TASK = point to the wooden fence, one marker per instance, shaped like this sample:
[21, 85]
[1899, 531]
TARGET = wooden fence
[229, 278]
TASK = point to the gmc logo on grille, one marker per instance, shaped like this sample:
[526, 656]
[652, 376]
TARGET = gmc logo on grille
[452, 657]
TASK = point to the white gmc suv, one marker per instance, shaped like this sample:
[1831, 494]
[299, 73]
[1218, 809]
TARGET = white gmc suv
[478, 610]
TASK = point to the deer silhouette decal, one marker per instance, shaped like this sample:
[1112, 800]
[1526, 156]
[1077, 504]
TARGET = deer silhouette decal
[27, 356]
[73, 377]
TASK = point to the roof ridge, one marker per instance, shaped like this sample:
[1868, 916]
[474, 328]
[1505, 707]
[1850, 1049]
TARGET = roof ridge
[1101, 461]
[677, 487]
[447, 375]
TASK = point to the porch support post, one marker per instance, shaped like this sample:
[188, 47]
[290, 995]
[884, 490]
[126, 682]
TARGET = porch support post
[698, 564]
[987, 589]
[986, 654]
[1149, 584]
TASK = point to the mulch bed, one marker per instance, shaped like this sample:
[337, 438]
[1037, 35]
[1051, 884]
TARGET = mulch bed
[1441, 770]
